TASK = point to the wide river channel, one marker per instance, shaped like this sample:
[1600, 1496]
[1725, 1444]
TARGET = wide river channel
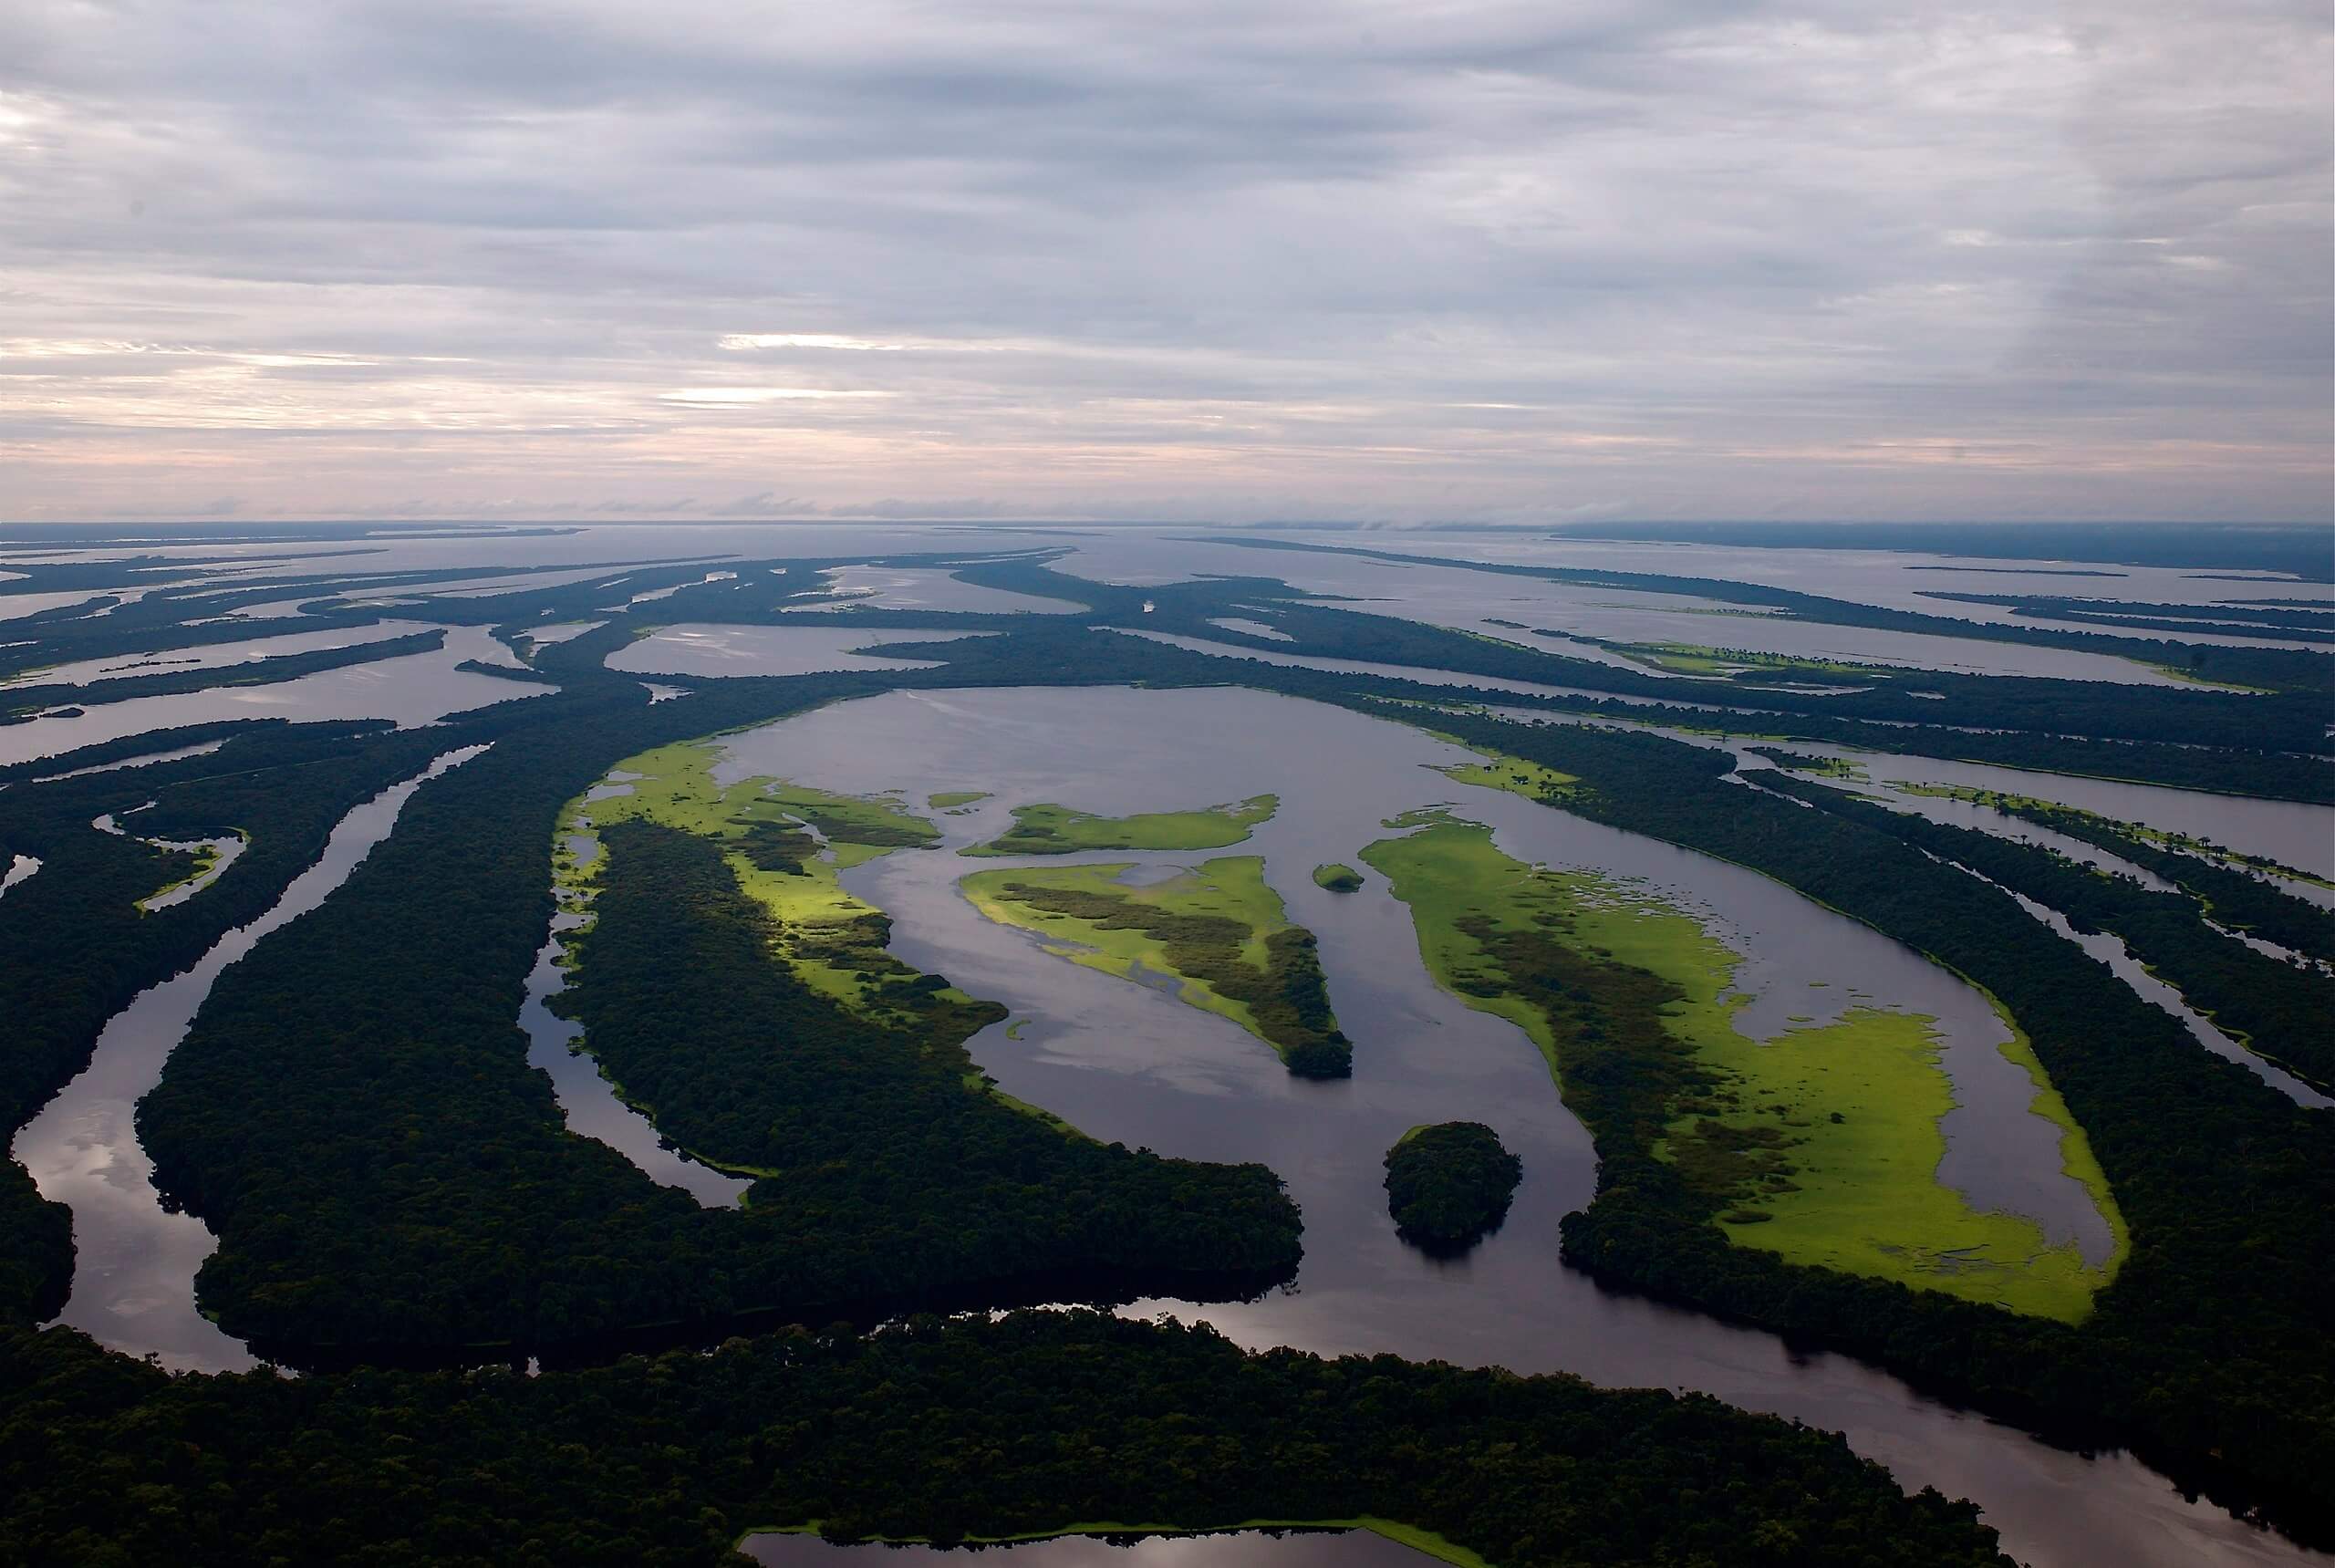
[1133, 1064]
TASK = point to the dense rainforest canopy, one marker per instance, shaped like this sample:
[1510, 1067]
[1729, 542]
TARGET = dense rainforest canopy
[412, 1213]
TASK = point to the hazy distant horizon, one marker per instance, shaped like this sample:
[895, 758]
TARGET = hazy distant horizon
[585, 517]
[1482, 263]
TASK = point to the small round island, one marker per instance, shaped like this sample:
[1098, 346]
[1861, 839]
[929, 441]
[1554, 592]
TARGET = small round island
[1448, 1185]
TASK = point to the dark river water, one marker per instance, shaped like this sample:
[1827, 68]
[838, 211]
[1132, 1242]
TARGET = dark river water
[135, 1262]
[1128, 1063]
[412, 689]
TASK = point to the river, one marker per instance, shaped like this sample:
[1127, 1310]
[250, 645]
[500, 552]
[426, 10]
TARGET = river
[135, 1259]
[1130, 1063]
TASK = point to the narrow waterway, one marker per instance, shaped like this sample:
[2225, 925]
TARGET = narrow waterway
[135, 1259]
[408, 690]
[20, 867]
[2110, 949]
[1493, 602]
[588, 1101]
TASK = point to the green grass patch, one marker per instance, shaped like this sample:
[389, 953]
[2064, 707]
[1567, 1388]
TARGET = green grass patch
[1050, 829]
[1337, 878]
[206, 854]
[1821, 1144]
[1499, 771]
[955, 799]
[1531, 780]
[786, 843]
[2190, 678]
[1217, 933]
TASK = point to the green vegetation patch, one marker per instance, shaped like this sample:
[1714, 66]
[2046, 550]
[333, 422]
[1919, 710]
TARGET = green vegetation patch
[1059, 830]
[1448, 1185]
[786, 843]
[1533, 781]
[206, 855]
[1218, 930]
[1822, 1145]
[1734, 663]
[1825, 767]
[955, 799]
[1338, 878]
[871, 1152]
[2225, 1182]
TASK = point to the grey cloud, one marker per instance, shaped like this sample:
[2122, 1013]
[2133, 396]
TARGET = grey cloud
[1243, 260]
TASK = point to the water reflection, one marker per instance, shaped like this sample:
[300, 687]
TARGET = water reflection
[1132, 1064]
[586, 1100]
[694, 648]
[411, 689]
[135, 1260]
[924, 588]
[20, 866]
[1481, 601]
[212, 656]
[2110, 949]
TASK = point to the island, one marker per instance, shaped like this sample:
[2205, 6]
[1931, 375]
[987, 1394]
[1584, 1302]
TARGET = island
[1217, 931]
[1048, 829]
[1448, 1185]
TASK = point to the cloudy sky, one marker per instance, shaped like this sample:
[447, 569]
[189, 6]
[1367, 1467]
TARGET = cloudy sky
[1221, 259]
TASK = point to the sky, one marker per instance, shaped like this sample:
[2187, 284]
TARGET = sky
[1208, 261]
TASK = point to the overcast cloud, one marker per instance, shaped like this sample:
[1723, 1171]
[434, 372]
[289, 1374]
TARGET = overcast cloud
[1221, 261]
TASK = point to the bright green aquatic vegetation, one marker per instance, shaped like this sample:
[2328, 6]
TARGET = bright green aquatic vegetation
[786, 842]
[1822, 1144]
[1048, 829]
[2190, 678]
[207, 856]
[1533, 781]
[1218, 933]
[955, 799]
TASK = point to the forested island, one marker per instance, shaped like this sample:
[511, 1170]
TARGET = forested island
[1449, 1184]
[1218, 928]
